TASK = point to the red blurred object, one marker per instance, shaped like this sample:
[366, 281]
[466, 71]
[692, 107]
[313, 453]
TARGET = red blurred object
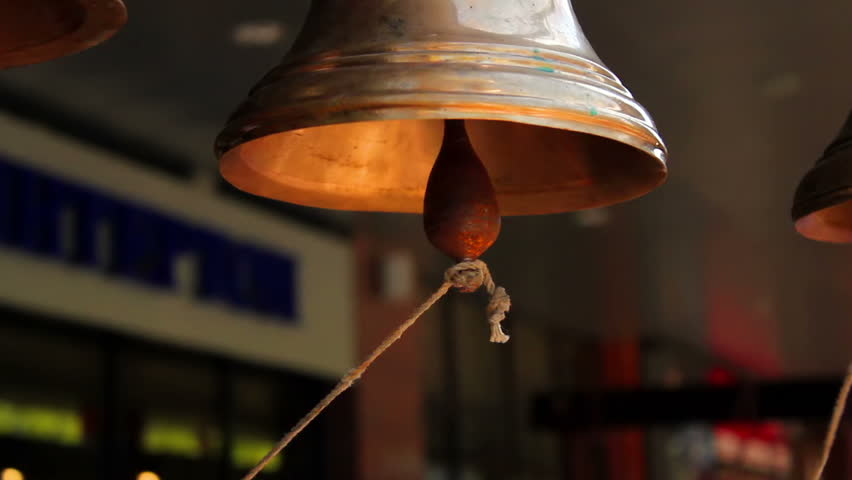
[758, 445]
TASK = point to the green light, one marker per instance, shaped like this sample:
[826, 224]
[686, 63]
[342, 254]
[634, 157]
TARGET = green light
[164, 437]
[44, 423]
[249, 449]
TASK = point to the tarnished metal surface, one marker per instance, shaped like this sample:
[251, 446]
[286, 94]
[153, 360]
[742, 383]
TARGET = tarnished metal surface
[34, 31]
[352, 119]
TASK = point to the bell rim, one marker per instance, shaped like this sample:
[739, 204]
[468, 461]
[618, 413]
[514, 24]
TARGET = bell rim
[808, 222]
[530, 85]
[103, 19]
[247, 130]
[236, 172]
[807, 208]
[813, 204]
[810, 194]
[823, 188]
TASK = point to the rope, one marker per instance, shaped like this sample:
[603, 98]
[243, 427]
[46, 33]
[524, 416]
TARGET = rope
[834, 425]
[467, 276]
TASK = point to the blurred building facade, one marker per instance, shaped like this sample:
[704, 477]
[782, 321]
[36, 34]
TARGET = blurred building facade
[152, 325]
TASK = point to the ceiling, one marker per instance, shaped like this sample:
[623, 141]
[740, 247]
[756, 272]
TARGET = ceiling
[746, 93]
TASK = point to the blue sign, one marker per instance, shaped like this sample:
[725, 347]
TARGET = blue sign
[51, 217]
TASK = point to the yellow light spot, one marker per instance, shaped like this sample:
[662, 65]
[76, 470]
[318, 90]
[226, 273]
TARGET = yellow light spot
[145, 476]
[11, 474]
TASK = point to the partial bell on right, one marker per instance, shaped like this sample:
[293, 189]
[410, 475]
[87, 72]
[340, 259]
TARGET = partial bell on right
[35, 31]
[822, 208]
[354, 116]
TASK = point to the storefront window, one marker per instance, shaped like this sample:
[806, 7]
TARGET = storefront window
[50, 402]
[171, 411]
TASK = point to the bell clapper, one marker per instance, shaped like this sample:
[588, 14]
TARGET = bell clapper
[460, 212]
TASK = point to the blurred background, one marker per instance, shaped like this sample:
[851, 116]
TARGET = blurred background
[155, 323]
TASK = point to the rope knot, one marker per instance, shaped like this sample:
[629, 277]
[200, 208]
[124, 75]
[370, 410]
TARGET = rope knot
[468, 276]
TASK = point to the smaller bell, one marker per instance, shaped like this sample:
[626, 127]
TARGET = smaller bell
[35, 31]
[822, 208]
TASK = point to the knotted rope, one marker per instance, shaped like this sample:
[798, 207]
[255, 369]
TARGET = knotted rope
[467, 276]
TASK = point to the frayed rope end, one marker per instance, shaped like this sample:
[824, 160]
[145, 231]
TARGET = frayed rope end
[468, 276]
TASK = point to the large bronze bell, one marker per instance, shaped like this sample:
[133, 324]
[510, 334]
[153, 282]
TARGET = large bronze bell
[354, 117]
[34, 31]
[822, 208]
